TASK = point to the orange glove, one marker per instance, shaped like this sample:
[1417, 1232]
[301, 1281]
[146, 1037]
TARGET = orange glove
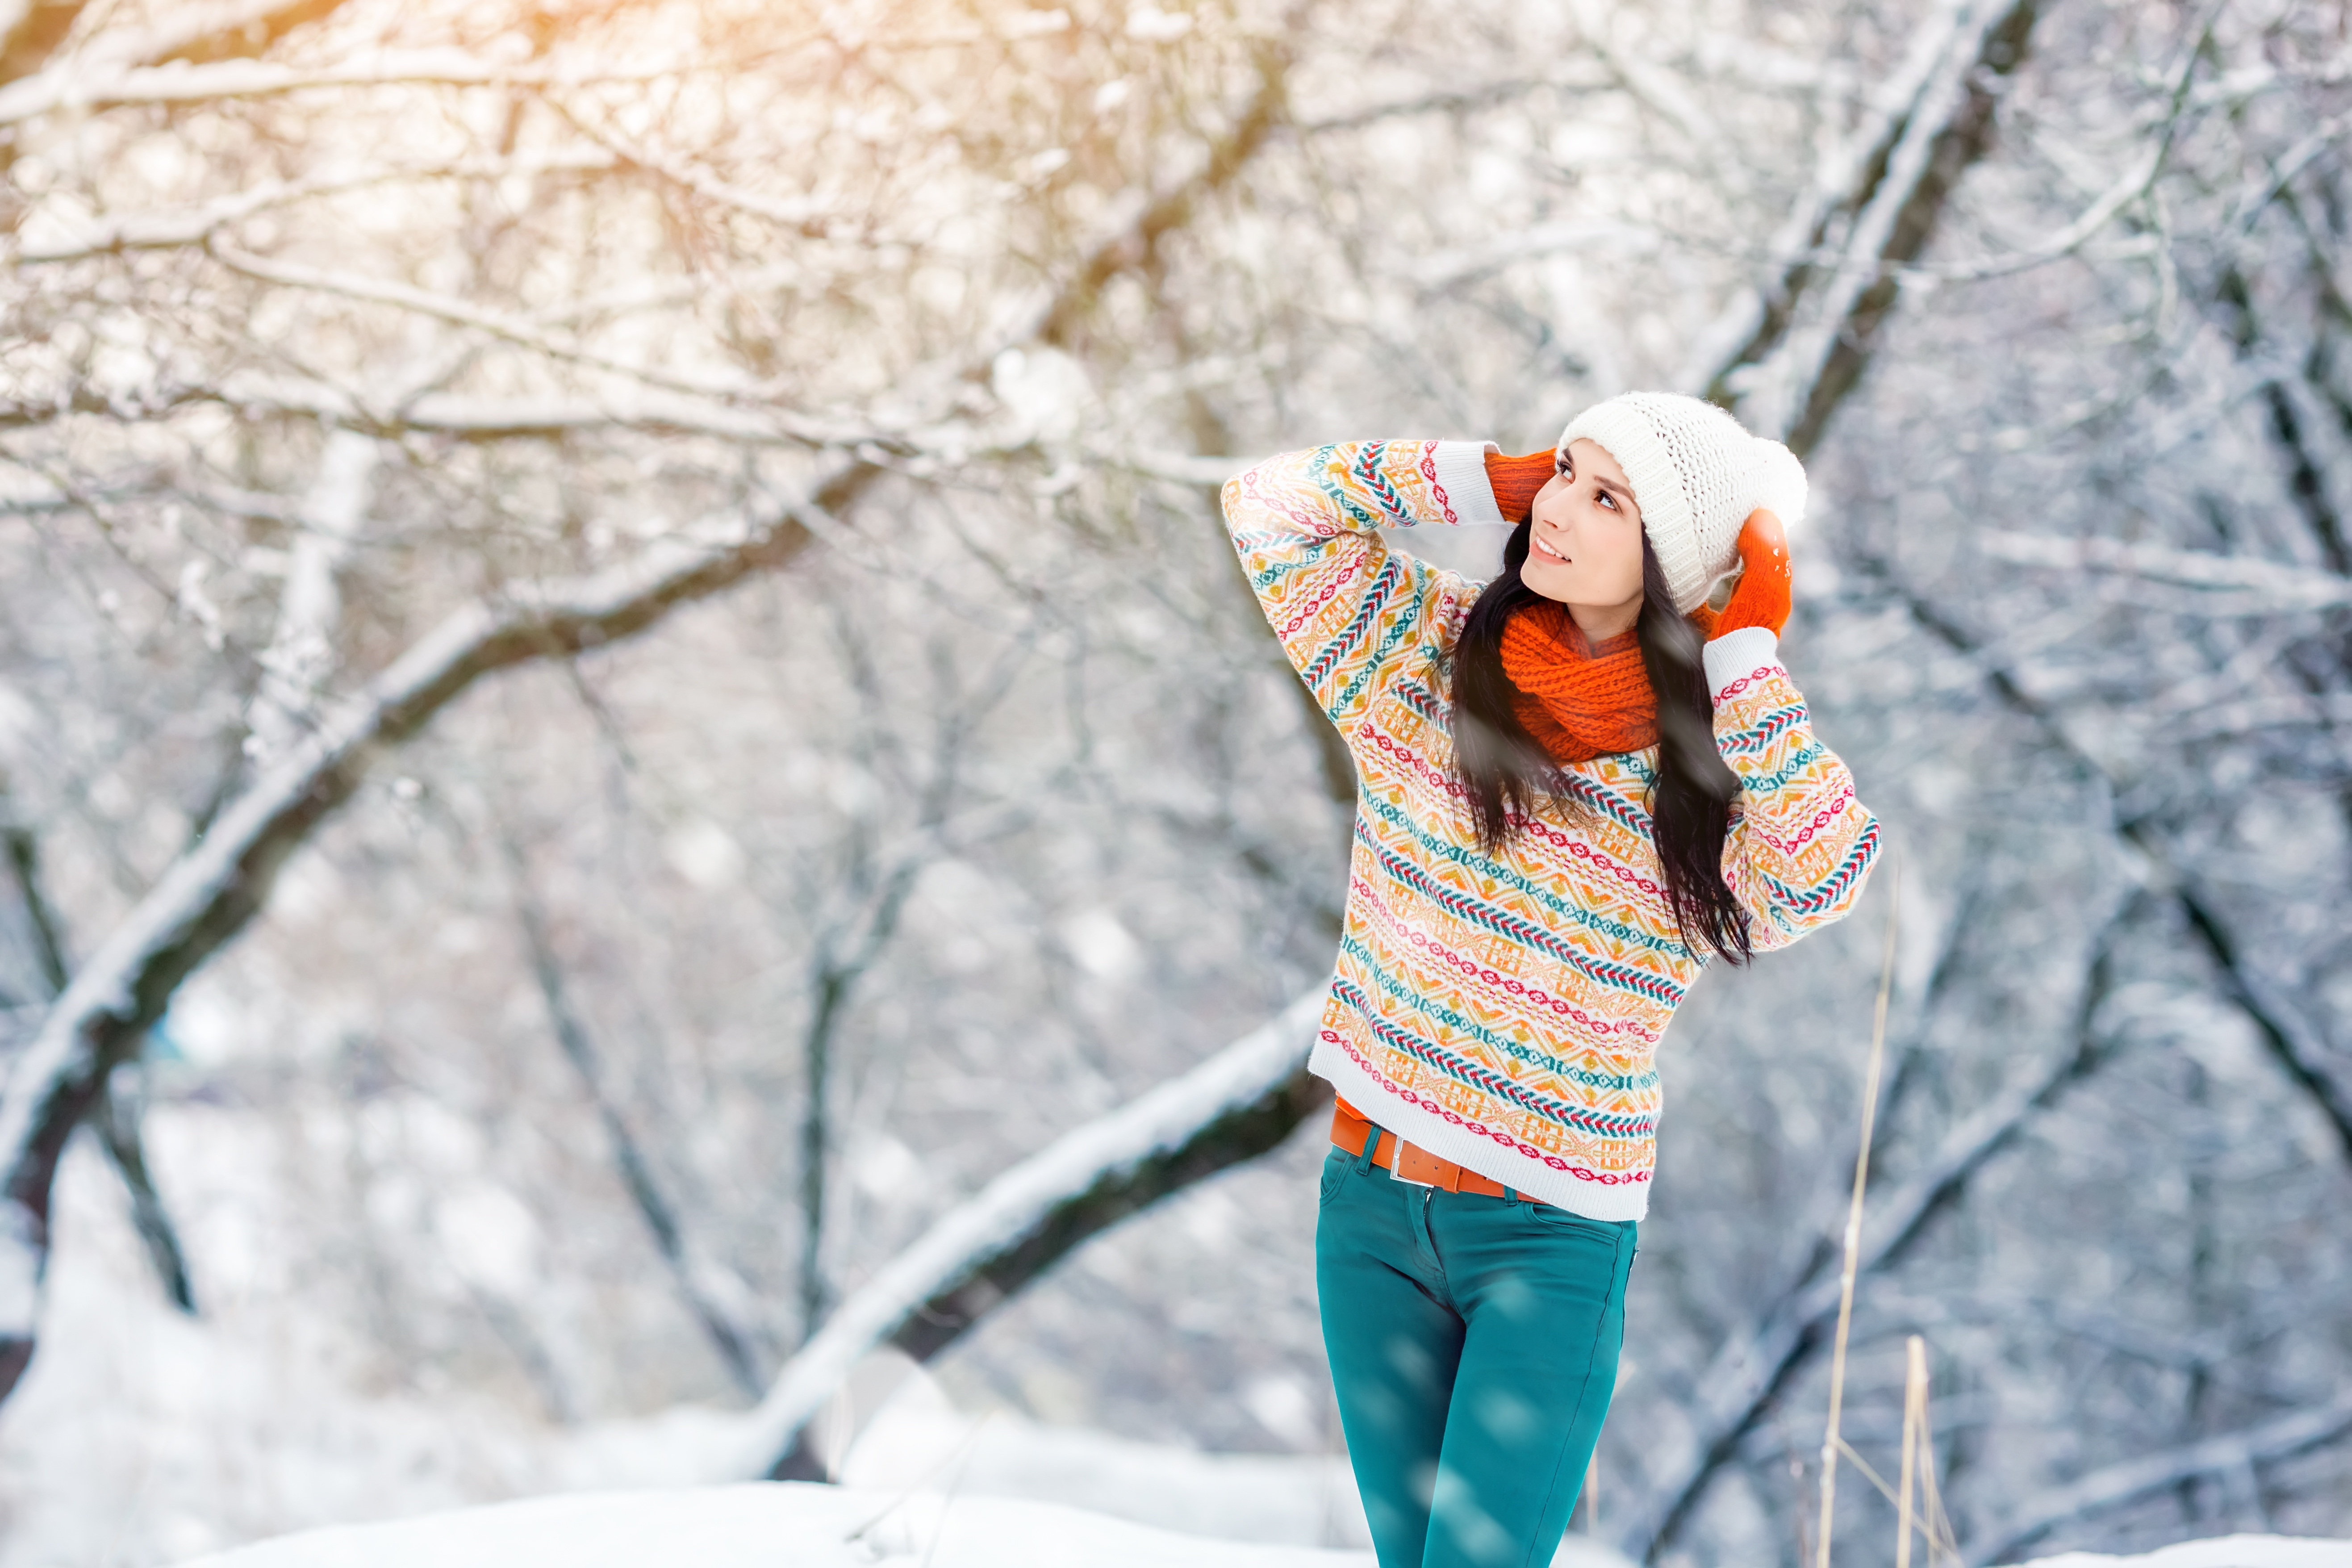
[1516, 481]
[1760, 598]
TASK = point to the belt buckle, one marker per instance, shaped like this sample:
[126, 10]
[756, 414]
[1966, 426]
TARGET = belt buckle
[1407, 1154]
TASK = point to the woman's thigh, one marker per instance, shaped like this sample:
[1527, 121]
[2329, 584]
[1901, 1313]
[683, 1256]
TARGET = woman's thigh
[1543, 1295]
[1392, 1345]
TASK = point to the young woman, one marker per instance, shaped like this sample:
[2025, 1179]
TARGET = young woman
[1577, 784]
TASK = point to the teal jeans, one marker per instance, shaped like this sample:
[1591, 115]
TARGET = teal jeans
[1474, 1348]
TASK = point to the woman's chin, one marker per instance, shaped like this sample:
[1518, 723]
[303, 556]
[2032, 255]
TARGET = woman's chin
[1551, 580]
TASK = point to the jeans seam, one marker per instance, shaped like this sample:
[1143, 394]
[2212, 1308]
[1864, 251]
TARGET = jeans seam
[1584, 1393]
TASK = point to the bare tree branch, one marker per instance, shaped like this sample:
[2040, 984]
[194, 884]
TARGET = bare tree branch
[721, 1301]
[1135, 241]
[117, 1115]
[2289, 1037]
[116, 1118]
[468, 419]
[519, 332]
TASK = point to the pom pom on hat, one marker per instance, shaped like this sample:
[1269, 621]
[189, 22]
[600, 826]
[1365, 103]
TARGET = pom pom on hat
[1697, 474]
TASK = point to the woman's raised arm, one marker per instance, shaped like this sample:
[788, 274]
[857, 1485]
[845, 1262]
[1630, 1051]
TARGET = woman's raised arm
[1800, 844]
[1351, 614]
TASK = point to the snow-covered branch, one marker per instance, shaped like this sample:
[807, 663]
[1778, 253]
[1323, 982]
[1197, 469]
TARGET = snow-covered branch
[518, 330]
[2278, 586]
[202, 31]
[300, 656]
[62, 88]
[464, 417]
[2295, 1433]
[1068, 1190]
[1753, 323]
[1944, 136]
[209, 894]
[193, 225]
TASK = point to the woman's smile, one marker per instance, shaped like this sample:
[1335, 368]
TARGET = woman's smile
[1584, 541]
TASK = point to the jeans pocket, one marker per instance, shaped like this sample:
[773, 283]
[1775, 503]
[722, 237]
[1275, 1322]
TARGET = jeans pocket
[1334, 1170]
[1551, 1216]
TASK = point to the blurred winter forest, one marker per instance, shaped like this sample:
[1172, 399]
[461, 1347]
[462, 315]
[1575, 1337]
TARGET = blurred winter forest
[620, 685]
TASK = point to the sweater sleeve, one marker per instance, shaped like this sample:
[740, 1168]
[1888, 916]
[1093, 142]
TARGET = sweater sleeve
[1351, 614]
[1800, 844]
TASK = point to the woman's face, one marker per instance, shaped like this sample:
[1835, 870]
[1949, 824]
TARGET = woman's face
[1585, 548]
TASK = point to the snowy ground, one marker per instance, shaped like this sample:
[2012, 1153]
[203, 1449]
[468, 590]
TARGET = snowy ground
[140, 1438]
[789, 1525]
[2221, 1552]
[800, 1526]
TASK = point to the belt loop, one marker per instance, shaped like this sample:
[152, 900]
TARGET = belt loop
[1366, 1160]
[1511, 1197]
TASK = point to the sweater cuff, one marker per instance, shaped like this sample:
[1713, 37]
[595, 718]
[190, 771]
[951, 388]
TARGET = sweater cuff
[1735, 656]
[1461, 479]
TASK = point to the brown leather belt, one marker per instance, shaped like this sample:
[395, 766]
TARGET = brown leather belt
[1351, 1130]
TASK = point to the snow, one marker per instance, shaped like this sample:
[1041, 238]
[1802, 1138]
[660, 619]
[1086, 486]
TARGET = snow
[787, 1524]
[796, 1524]
[916, 1438]
[2220, 1552]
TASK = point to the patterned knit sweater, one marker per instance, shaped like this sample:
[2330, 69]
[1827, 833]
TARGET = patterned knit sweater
[1505, 1012]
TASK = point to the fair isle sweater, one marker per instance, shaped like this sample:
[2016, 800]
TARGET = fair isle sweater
[1504, 1012]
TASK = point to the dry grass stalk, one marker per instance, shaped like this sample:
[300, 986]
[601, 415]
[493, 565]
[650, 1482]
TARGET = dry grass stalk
[1915, 1411]
[1943, 1544]
[1917, 1477]
[1831, 1442]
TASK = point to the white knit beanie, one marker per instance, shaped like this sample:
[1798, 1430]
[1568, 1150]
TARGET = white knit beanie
[1697, 474]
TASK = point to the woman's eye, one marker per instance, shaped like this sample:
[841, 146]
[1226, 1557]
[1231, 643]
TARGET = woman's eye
[1608, 500]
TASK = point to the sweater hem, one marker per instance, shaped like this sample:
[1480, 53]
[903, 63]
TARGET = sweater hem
[1471, 1147]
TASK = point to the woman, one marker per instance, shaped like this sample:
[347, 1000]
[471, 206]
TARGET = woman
[1577, 784]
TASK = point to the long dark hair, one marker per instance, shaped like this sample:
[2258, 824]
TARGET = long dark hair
[1505, 772]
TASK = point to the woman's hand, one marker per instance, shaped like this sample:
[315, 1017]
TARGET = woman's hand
[1516, 481]
[1761, 596]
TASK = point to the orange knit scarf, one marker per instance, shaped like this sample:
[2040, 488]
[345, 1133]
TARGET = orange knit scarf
[1579, 699]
